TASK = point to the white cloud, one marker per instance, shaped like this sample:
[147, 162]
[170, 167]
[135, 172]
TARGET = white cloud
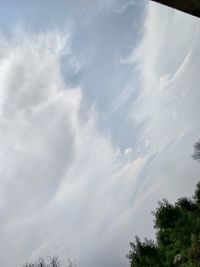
[123, 97]
[169, 73]
[65, 189]
[63, 184]
[167, 104]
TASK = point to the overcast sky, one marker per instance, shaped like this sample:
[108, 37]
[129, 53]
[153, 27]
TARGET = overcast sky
[99, 111]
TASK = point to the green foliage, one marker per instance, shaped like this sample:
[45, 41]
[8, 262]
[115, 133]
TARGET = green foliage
[177, 236]
[196, 196]
[144, 253]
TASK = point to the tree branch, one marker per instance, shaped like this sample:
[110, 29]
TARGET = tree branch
[191, 7]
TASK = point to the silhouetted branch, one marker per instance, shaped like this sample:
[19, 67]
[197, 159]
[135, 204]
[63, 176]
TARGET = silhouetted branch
[196, 155]
[191, 7]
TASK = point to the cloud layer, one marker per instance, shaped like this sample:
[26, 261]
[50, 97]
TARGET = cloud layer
[62, 181]
[67, 187]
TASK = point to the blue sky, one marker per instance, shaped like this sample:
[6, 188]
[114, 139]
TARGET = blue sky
[99, 112]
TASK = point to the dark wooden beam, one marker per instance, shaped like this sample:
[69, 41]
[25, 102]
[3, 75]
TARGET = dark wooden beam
[191, 7]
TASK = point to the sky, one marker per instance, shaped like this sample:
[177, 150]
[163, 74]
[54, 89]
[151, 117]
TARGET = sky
[99, 111]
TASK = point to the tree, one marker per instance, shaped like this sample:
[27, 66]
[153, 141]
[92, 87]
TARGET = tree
[177, 236]
[194, 252]
[196, 196]
[196, 155]
[144, 254]
[191, 7]
[53, 262]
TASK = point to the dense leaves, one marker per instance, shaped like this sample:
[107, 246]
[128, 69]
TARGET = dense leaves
[144, 253]
[177, 236]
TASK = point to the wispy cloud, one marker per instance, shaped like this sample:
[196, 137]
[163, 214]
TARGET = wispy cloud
[62, 180]
[166, 105]
[66, 187]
